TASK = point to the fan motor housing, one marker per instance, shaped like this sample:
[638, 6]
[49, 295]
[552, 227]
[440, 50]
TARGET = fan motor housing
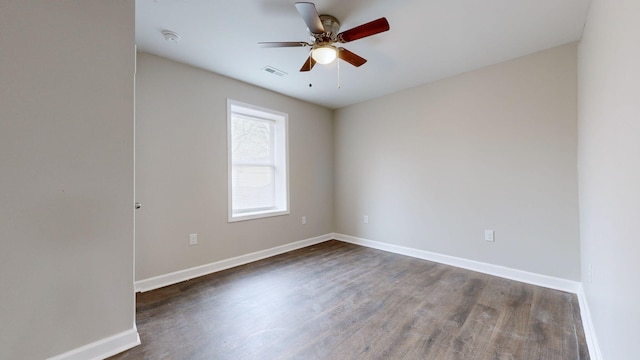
[330, 23]
[331, 27]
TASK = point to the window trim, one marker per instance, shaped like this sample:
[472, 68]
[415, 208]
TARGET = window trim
[281, 125]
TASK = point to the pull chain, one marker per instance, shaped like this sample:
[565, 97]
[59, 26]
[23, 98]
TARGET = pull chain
[339, 86]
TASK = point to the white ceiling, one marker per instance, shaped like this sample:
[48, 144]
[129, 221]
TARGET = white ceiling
[428, 40]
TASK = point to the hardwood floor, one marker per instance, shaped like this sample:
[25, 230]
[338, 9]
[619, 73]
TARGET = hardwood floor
[341, 301]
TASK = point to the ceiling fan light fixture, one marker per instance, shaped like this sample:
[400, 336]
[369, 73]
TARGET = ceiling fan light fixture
[324, 34]
[324, 54]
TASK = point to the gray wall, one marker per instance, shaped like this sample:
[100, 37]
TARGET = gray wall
[495, 148]
[432, 167]
[66, 159]
[609, 173]
[181, 169]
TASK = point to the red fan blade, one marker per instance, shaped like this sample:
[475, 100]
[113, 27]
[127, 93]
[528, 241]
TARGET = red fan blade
[350, 57]
[308, 65]
[283, 44]
[310, 16]
[364, 30]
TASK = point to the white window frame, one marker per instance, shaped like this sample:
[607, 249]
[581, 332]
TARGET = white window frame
[280, 163]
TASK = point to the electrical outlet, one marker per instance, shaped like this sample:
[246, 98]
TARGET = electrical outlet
[304, 220]
[193, 239]
[590, 274]
[365, 219]
[489, 235]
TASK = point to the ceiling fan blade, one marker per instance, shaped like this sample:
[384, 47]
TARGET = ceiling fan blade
[308, 65]
[310, 16]
[364, 30]
[350, 57]
[276, 44]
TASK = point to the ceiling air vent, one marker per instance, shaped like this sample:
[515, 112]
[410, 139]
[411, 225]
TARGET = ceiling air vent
[274, 71]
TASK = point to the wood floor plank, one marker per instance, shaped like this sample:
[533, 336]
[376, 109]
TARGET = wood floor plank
[513, 301]
[341, 301]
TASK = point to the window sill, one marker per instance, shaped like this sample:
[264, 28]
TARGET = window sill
[257, 215]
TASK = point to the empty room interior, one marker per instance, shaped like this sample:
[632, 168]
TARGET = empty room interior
[459, 181]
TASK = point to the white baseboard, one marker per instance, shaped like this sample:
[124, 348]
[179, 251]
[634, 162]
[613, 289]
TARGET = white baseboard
[188, 274]
[501, 271]
[104, 348]
[496, 270]
[587, 324]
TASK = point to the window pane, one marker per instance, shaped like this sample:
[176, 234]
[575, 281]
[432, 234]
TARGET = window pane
[252, 141]
[258, 175]
[253, 188]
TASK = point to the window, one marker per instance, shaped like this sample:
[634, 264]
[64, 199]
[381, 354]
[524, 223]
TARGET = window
[258, 174]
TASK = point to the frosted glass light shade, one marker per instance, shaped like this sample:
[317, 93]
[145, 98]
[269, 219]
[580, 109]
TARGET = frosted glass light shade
[324, 55]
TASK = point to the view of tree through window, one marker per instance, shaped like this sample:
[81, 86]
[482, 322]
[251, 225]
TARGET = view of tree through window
[253, 174]
[257, 162]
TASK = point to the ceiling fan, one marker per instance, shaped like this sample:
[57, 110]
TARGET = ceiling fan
[324, 34]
